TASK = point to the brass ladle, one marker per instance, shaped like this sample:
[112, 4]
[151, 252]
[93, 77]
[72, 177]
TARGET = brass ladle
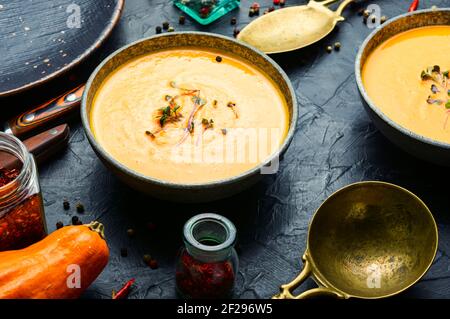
[368, 240]
[292, 28]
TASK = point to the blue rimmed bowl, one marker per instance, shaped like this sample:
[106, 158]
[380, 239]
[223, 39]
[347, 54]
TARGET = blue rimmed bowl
[201, 192]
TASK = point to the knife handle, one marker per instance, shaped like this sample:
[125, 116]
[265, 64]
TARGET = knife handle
[45, 113]
[48, 143]
[42, 146]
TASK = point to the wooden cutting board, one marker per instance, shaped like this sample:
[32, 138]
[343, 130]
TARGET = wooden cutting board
[40, 39]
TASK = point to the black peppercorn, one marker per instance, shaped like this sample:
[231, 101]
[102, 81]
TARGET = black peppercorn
[59, 225]
[233, 21]
[66, 205]
[75, 220]
[147, 259]
[219, 58]
[165, 25]
[158, 30]
[80, 208]
[236, 32]
[181, 19]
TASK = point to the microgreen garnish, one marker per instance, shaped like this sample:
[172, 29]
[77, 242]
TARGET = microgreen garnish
[198, 100]
[149, 133]
[432, 73]
[430, 100]
[439, 85]
[169, 113]
[434, 89]
[232, 106]
[198, 104]
[191, 127]
[207, 123]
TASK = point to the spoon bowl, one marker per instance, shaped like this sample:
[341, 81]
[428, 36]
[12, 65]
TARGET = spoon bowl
[292, 28]
[368, 240]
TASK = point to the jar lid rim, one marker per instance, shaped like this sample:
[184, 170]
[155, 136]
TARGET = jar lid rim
[225, 222]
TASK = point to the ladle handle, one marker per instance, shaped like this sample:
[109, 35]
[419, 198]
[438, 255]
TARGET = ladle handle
[342, 6]
[286, 291]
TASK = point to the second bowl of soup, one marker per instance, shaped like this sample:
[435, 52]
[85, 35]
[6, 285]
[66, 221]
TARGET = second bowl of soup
[402, 72]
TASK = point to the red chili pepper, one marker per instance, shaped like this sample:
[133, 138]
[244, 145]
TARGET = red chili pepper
[123, 293]
[414, 5]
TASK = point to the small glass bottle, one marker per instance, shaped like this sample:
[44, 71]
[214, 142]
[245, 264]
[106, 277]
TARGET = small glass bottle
[206, 11]
[208, 263]
[22, 218]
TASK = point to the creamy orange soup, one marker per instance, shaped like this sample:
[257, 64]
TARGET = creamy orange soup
[189, 115]
[394, 80]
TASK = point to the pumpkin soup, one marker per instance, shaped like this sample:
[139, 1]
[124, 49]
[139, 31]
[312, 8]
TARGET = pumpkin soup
[189, 115]
[407, 78]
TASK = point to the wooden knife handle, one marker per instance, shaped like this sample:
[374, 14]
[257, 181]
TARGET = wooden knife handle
[48, 143]
[45, 113]
[42, 146]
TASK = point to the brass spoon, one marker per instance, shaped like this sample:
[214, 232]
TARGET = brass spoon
[293, 28]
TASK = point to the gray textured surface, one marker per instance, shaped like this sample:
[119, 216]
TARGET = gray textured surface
[335, 144]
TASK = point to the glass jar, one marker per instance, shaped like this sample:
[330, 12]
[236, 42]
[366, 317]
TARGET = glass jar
[22, 218]
[206, 11]
[207, 264]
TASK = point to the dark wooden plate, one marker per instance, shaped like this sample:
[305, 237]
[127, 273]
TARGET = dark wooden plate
[40, 39]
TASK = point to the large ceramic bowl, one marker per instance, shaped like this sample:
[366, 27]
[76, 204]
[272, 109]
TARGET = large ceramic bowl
[187, 192]
[415, 144]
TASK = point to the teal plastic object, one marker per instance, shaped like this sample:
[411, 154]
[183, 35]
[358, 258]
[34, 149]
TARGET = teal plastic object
[206, 11]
